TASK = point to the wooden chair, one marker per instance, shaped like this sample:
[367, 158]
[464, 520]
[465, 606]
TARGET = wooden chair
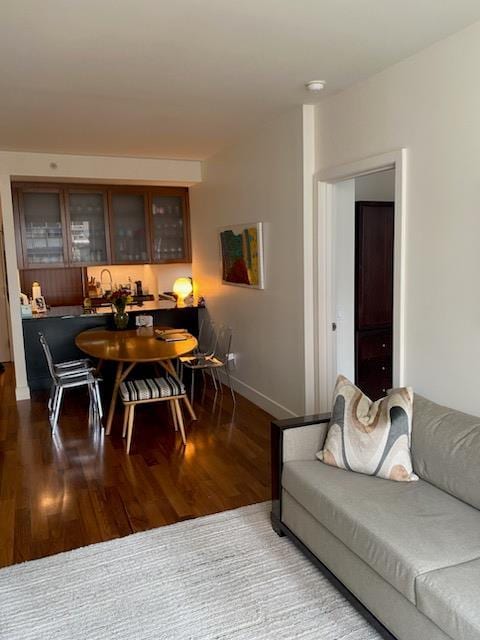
[135, 392]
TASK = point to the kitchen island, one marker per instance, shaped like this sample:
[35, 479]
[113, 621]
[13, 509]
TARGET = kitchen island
[61, 325]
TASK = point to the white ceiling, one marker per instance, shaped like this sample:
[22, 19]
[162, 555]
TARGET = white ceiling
[181, 79]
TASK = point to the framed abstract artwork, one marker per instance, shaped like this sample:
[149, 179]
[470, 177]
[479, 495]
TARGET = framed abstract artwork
[241, 249]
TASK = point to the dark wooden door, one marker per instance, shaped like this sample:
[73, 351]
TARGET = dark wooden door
[374, 296]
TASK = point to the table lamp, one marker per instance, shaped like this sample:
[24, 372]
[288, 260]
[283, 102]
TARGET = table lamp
[182, 287]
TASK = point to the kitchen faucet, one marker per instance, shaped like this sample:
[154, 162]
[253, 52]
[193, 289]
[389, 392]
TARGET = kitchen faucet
[109, 275]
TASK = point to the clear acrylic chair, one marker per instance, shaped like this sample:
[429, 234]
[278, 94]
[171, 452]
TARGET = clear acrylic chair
[207, 342]
[64, 368]
[77, 373]
[214, 362]
[207, 339]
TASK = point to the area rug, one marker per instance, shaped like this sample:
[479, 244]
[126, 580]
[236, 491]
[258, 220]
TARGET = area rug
[225, 576]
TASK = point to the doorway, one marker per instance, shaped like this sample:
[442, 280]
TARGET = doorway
[5, 355]
[342, 192]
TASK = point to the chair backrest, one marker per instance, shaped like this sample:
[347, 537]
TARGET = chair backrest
[224, 343]
[48, 355]
[207, 337]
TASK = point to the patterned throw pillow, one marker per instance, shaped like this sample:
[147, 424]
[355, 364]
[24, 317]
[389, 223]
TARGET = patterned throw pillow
[370, 437]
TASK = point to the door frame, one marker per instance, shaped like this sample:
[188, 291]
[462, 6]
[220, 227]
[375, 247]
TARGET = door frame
[321, 380]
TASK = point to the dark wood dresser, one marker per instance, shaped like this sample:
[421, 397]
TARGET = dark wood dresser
[374, 227]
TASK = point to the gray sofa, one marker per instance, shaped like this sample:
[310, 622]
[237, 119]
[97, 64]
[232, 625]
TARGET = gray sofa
[407, 554]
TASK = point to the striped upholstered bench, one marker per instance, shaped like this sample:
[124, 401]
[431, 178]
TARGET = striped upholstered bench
[134, 392]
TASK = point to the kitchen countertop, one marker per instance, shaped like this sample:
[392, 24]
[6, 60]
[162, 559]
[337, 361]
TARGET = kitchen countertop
[77, 311]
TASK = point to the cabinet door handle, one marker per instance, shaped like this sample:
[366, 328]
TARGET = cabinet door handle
[384, 346]
[383, 368]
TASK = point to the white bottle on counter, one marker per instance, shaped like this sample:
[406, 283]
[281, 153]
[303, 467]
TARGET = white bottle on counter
[36, 290]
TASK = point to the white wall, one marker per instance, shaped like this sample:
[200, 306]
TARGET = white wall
[55, 167]
[258, 179]
[430, 104]
[376, 187]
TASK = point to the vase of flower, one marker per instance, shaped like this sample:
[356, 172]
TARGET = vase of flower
[120, 319]
[119, 300]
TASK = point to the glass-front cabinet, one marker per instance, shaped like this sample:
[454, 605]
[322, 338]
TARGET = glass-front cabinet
[65, 225]
[169, 238]
[129, 227]
[88, 227]
[42, 227]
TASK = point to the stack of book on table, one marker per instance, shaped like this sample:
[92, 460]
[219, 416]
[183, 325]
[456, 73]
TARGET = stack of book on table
[172, 335]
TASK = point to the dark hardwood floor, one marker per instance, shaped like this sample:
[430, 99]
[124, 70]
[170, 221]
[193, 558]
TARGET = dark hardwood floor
[79, 487]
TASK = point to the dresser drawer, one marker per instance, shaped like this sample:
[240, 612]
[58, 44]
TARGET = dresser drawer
[374, 377]
[373, 345]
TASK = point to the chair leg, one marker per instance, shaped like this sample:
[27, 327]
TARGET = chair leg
[51, 410]
[180, 420]
[98, 398]
[214, 378]
[91, 406]
[192, 389]
[230, 385]
[131, 416]
[96, 408]
[218, 379]
[57, 405]
[125, 420]
[173, 413]
[50, 399]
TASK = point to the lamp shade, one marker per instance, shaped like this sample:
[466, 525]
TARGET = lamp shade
[182, 287]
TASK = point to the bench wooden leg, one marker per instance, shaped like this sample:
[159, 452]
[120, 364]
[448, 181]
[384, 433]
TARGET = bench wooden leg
[131, 416]
[173, 413]
[180, 420]
[167, 365]
[125, 420]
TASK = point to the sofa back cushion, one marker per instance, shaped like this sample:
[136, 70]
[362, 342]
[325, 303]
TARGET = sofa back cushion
[446, 449]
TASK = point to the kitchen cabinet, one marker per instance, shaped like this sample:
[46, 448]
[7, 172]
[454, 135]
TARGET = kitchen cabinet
[41, 221]
[170, 236]
[129, 225]
[65, 225]
[87, 227]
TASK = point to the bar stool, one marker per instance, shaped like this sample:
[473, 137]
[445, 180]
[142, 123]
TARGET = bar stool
[135, 392]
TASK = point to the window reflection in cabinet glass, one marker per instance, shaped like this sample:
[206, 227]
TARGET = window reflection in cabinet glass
[168, 228]
[130, 234]
[87, 228]
[43, 228]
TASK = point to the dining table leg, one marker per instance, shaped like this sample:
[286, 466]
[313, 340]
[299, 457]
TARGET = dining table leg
[168, 366]
[120, 376]
[113, 400]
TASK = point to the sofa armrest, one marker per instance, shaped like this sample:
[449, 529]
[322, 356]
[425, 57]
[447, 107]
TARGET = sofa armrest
[294, 439]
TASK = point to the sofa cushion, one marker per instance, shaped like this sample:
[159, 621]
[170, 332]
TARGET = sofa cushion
[401, 529]
[451, 598]
[370, 437]
[446, 449]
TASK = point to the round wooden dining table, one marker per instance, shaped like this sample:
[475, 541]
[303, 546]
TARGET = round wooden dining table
[129, 348]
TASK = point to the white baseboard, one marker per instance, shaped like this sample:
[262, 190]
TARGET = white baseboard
[269, 405]
[22, 393]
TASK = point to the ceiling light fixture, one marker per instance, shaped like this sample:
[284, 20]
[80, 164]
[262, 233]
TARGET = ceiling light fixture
[315, 85]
